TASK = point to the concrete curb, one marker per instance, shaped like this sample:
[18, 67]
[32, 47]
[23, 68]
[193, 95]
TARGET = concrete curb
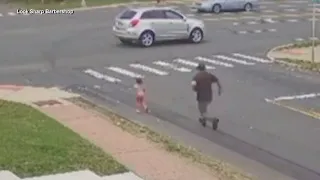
[274, 59]
[292, 65]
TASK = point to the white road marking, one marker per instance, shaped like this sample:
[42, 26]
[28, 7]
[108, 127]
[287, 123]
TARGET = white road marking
[310, 19]
[251, 58]
[172, 66]
[272, 30]
[242, 32]
[285, 5]
[206, 14]
[124, 72]
[190, 63]
[227, 13]
[234, 60]
[257, 31]
[252, 22]
[212, 61]
[149, 69]
[1, 15]
[11, 13]
[269, 20]
[268, 11]
[299, 2]
[99, 75]
[299, 39]
[292, 20]
[303, 96]
[290, 10]
[235, 23]
[314, 38]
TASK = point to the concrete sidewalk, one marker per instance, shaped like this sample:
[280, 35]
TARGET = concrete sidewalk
[140, 155]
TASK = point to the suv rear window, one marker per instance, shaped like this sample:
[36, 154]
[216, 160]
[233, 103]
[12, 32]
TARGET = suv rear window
[129, 14]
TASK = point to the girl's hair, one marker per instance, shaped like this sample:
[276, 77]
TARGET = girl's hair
[139, 81]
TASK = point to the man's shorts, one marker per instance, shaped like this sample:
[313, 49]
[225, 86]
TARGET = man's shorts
[203, 106]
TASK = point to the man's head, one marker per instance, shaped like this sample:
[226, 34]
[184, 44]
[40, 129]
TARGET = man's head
[201, 67]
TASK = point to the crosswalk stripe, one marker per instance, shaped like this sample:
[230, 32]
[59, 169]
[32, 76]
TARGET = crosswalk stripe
[124, 72]
[234, 60]
[190, 63]
[292, 20]
[99, 75]
[1, 15]
[252, 22]
[171, 66]
[212, 61]
[149, 69]
[257, 31]
[251, 58]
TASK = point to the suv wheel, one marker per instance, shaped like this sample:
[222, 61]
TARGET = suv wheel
[248, 7]
[196, 35]
[216, 8]
[146, 39]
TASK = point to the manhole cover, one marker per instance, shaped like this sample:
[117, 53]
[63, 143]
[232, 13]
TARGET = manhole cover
[47, 103]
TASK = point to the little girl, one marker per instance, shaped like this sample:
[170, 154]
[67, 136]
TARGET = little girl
[141, 96]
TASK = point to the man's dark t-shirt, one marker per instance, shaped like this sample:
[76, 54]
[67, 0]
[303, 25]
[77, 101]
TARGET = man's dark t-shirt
[203, 86]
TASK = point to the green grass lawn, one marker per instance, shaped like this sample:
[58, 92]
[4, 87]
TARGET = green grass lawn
[51, 4]
[33, 144]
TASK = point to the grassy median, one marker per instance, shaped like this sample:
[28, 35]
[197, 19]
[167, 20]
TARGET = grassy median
[34, 144]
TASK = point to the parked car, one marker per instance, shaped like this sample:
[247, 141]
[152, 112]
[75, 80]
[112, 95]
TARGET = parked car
[217, 6]
[150, 24]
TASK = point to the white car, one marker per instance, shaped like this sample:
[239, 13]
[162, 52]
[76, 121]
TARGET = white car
[149, 24]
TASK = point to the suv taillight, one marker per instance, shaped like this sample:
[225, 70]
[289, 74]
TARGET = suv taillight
[134, 22]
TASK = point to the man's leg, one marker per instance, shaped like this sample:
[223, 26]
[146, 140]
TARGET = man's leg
[203, 106]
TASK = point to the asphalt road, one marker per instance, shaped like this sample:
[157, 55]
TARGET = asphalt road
[267, 140]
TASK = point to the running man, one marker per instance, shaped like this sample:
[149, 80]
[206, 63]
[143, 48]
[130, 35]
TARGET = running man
[202, 85]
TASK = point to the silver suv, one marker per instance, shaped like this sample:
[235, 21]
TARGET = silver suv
[147, 25]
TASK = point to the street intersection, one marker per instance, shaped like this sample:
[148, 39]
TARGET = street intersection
[79, 53]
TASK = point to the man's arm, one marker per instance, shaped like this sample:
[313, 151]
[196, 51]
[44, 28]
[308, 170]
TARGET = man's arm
[216, 80]
[194, 84]
[219, 87]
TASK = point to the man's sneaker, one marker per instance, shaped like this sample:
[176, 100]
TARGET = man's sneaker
[215, 123]
[202, 121]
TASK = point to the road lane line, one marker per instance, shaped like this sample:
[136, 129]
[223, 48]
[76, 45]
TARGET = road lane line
[149, 69]
[226, 58]
[302, 96]
[261, 60]
[99, 75]
[212, 61]
[172, 66]
[124, 72]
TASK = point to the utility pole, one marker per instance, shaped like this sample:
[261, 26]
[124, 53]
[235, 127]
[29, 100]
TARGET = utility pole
[313, 29]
